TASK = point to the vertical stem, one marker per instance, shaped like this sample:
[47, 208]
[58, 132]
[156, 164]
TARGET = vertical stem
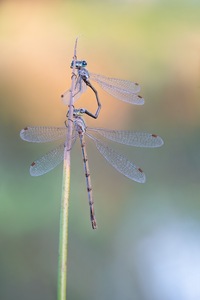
[62, 264]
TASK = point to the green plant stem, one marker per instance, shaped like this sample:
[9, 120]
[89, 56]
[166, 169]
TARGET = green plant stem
[64, 213]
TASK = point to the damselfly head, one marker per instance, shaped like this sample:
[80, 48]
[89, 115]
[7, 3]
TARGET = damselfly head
[79, 64]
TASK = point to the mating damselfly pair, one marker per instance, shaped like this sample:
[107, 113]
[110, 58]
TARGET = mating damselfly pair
[124, 90]
[54, 157]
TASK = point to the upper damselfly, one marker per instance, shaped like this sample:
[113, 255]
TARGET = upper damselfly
[124, 90]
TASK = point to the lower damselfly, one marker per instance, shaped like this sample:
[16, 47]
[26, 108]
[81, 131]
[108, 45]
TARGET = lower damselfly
[54, 157]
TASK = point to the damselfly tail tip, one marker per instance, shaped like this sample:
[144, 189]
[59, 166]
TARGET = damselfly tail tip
[94, 224]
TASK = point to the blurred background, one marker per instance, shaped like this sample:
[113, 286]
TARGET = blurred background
[147, 245]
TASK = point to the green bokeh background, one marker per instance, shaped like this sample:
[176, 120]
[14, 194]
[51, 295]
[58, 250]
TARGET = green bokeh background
[148, 242]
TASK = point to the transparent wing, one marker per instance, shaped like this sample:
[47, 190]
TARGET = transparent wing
[126, 85]
[120, 162]
[130, 138]
[42, 134]
[124, 90]
[47, 162]
[80, 88]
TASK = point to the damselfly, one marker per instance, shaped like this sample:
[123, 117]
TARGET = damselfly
[54, 157]
[124, 90]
